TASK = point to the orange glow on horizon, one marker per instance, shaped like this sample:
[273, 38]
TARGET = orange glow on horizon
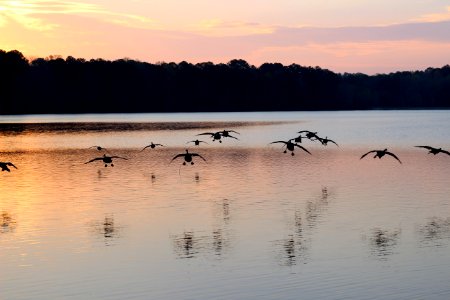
[199, 32]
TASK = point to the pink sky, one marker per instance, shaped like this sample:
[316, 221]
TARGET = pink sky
[343, 36]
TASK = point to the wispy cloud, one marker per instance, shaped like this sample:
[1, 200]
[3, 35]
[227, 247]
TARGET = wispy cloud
[33, 14]
[218, 27]
[436, 17]
[436, 31]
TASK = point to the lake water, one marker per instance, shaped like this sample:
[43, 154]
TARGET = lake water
[249, 223]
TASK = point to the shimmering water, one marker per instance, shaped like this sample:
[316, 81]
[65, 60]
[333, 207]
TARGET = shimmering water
[250, 223]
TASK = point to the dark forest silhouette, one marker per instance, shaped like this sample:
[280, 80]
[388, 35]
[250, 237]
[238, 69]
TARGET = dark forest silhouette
[76, 85]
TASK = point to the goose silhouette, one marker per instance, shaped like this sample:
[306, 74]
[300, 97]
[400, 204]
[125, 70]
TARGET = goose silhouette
[298, 139]
[216, 136]
[290, 146]
[196, 142]
[187, 157]
[153, 146]
[326, 140]
[434, 150]
[219, 134]
[106, 159]
[226, 133]
[4, 166]
[99, 148]
[310, 135]
[381, 153]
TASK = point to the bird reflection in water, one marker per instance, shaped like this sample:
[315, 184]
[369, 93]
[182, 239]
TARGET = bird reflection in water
[315, 208]
[218, 241]
[7, 222]
[295, 246]
[187, 245]
[221, 235]
[226, 209]
[213, 245]
[197, 177]
[435, 232]
[107, 229]
[383, 242]
[289, 248]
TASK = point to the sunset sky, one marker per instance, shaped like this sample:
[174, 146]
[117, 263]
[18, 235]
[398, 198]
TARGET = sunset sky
[341, 35]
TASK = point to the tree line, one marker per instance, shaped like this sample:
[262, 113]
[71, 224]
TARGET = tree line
[75, 85]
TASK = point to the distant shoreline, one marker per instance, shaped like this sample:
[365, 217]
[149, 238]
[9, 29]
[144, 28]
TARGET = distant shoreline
[77, 86]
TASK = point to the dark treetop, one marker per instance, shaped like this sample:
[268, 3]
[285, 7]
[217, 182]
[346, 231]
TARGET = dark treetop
[71, 85]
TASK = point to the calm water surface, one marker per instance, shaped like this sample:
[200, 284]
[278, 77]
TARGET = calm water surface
[250, 223]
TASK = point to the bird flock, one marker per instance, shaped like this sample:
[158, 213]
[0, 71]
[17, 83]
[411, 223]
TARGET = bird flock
[288, 145]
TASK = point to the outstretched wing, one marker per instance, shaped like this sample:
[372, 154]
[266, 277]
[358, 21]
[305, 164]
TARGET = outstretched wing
[119, 157]
[176, 156]
[94, 159]
[368, 153]
[394, 156]
[303, 148]
[426, 147]
[11, 164]
[232, 131]
[283, 142]
[196, 142]
[207, 133]
[195, 154]
[230, 136]
[332, 142]
[145, 147]
[445, 151]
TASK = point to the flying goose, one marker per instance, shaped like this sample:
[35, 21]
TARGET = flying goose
[153, 146]
[106, 159]
[187, 157]
[196, 142]
[434, 150]
[291, 146]
[381, 153]
[4, 166]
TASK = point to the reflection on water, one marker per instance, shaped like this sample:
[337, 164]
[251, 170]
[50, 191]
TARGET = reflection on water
[107, 229]
[383, 242]
[296, 247]
[187, 245]
[226, 210]
[8, 222]
[69, 127]
[197, 177]
[270, 226]
[190, 245]
[435, 232]
[314, 209]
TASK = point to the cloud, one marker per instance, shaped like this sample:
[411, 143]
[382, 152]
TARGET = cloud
[436, 17]
[34, 14]
[437, 31]
[90, 31]
[218, 27]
